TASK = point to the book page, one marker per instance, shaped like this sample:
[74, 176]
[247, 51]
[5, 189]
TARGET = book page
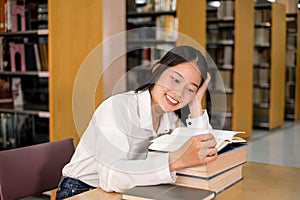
[179, 136]
[218, 134]
[168, 143]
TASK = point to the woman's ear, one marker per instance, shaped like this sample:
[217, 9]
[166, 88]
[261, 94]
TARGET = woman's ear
[155, 66]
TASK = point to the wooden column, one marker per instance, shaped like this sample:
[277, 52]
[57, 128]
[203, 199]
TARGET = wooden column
[242, 108]
[277, 76]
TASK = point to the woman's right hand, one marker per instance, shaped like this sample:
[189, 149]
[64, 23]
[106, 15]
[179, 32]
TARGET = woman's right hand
[198, 150]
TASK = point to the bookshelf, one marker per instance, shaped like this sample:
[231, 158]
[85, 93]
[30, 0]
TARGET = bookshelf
[269, 65]
[178, 29]
[24, 111]
[151, 30]
[230, 45]
[297, 76]
[292, 66]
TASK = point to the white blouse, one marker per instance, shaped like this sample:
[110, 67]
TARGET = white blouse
[112, 152]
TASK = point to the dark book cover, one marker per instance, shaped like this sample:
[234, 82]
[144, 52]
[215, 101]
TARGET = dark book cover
[30, 57]
[167, 192]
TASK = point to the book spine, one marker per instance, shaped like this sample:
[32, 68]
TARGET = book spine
[17, 92]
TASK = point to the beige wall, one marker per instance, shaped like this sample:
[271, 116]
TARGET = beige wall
[291, 5]
[114, 25]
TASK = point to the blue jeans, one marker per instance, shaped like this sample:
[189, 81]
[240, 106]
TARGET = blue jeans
[68, 187]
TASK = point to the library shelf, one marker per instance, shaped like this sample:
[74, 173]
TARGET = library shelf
[24, 75]
[25, 33]
[292, 87]
[145, 42]
[269, 66]
[230, 43]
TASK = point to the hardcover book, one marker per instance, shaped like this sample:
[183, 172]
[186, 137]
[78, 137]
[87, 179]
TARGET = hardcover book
[6, 100]
[217, 183]
[167, 192]
[229, 157]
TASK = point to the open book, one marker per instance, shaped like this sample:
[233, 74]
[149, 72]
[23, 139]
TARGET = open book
[180, 135]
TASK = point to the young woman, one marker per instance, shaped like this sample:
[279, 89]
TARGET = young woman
[113, 151]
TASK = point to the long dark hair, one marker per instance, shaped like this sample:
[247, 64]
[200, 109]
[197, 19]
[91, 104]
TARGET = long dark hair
[175, 56]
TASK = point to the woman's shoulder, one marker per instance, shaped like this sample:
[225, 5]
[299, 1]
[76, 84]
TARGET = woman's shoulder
[120, 107]
[121, 100]
[123, 97]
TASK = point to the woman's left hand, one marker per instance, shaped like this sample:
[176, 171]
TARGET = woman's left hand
[195, 105]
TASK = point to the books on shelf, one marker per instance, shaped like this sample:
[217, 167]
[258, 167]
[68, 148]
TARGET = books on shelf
[262, 77]
[167, 192]
[6, 99]
[16, 130]
[43, 51]
[261, 57]
[290, 91]
[15, 16]
[33, 57]
[17, 92]
[30, 57]
[7, 134]
[222, 55]
[262, 37]
[261, 96]
[224, 81]
[24, 56]
[37, 57]
[225, 10]
[221, 102]
[151, 5]
[2, 15]
[170, 24]
[291, 58]
[262, 16]
[228, 55]
[17, 57]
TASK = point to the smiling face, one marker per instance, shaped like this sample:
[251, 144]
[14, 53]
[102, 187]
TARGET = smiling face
[176, 87]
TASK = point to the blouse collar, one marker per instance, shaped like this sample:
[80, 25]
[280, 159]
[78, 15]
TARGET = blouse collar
[144, 106]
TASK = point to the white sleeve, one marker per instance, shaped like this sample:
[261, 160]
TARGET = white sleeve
[201, 122]
[125, 174]
[121, 152]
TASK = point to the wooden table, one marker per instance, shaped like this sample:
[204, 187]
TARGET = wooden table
[261, 181]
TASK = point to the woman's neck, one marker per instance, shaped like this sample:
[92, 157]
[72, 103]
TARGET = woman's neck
[156, 112]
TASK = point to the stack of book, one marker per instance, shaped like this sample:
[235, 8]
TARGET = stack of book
[216, 176]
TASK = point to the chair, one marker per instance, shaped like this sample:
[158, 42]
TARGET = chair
[32, 170]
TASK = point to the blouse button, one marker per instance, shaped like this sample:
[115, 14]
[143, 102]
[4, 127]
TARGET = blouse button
[190, 123]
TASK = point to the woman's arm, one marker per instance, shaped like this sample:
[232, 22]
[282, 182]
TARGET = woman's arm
[195, 105]
[120, 148]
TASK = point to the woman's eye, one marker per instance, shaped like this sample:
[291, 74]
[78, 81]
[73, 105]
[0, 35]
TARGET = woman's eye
[191, 90]
[175, 79]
